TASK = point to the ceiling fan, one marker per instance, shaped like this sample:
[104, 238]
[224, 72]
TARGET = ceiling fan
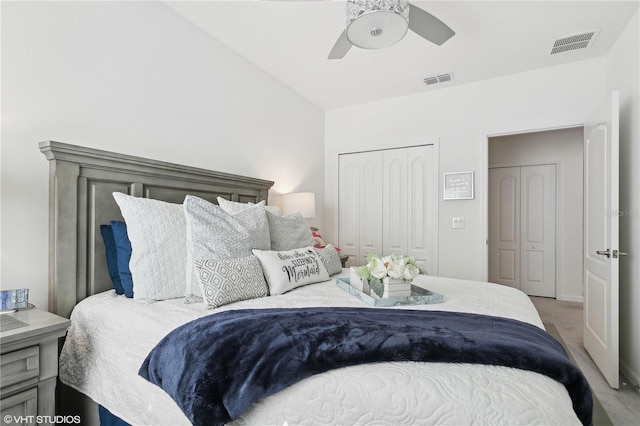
[374, 24]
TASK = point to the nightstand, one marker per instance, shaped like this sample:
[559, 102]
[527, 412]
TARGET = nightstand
[29, 361]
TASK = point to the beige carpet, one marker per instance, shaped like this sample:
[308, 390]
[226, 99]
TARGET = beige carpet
[600, 417]
[622, 406]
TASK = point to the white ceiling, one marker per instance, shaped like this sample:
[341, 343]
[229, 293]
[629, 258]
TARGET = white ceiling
[291, 41]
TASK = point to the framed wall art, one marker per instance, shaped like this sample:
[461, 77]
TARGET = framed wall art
[458, 186]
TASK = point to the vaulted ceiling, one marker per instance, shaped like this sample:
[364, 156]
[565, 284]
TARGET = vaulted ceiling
[292, 39]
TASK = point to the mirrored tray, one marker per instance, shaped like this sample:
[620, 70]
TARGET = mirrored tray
[419, 296]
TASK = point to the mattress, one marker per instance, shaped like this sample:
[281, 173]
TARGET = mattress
[111, 335]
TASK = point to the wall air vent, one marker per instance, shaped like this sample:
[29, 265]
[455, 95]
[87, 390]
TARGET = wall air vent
[440, 78]
[572, 42]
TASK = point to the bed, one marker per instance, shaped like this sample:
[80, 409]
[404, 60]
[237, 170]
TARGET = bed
[112, 336]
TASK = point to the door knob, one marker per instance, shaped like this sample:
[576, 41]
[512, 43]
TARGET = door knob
[604, 252]
[617, 253]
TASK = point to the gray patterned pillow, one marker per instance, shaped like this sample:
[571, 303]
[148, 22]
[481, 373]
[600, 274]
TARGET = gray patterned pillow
[231, 280]
[215, 234]
[289, 232]
[330, 258]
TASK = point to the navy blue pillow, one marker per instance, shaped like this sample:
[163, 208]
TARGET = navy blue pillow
[112, 257]
[123, 248]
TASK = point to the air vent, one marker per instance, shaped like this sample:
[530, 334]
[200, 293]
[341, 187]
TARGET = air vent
[440, 78]
[572, 42]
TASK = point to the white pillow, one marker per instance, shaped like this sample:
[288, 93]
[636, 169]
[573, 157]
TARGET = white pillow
[231, 280]
[215, 234]
[234, 207]
[286, 270]
[157, 231]
[289, 232]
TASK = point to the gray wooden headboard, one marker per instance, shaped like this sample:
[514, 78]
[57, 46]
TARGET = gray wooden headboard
[81, 181]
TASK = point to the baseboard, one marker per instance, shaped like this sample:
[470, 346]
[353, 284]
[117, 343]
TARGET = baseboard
[576, 299]
[631, 375]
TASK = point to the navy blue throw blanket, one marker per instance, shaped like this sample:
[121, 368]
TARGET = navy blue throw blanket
[215, 367]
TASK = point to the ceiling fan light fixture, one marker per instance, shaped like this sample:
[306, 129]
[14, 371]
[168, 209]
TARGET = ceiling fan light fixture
[374, 24]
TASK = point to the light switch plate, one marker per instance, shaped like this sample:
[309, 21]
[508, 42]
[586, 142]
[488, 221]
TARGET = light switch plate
[457, 223]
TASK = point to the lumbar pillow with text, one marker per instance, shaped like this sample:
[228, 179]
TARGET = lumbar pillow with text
[231, 280]
[286, 270]
[157, 232]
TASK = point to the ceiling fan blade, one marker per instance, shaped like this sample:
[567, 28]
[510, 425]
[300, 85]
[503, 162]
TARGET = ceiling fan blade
[428, 26]
[341, 47]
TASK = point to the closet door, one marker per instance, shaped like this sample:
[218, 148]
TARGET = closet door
[522, 228]
[422, 207]
[349, 205]
[360, 205]
[409, 204]
[504, 226]
[538, 230]
[370, 217]
[394, 207]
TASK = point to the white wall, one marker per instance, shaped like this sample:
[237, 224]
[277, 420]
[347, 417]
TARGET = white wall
[623, 74]
[563, 148]
[461, 118]
[135, 78]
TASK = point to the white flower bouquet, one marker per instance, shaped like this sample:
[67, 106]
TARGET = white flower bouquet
[387, 269]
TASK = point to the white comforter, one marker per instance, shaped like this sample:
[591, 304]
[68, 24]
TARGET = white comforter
[110, 336]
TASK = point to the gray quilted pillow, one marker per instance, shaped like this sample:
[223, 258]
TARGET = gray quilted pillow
[289, 232]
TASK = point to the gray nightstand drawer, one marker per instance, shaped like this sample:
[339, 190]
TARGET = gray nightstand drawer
[23, 405]
[20, 368]
[29, 363]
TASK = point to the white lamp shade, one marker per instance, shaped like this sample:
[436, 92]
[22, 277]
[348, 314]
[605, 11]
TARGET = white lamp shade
[303, 202]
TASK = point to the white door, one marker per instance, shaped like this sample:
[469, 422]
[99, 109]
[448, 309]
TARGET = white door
[394, 207]
[538, 230]
[370, 218]
[422, 207]
[504, 226]
[388, 204]
[601, 251]
[522, 230]
[360, 205]
[349, 211]
[409, 207]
